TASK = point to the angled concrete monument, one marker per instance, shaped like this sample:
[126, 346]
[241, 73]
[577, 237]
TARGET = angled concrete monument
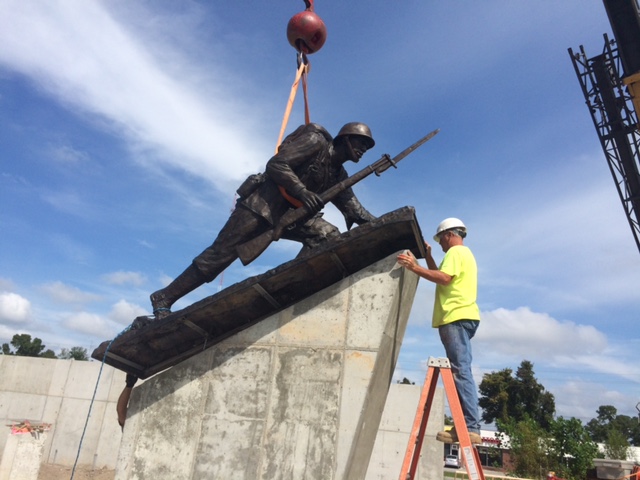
[299, 395]
[282, 376]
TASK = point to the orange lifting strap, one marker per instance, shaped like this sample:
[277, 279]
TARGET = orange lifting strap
[301, 74]
[303, 69]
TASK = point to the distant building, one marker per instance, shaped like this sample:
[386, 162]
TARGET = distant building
[491, 455]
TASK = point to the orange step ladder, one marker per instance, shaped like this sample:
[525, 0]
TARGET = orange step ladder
[470, 456]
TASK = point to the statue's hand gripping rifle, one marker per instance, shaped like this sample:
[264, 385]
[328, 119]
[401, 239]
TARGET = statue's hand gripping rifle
[250, 250]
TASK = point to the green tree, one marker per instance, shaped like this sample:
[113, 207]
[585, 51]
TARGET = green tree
[599, 427]
[25, 347]
[570, 449]
[565, 448]
[76, 353]
[48, 353]
[531, 397]
[526, 448]
[494, 396]
[524, 411]
[616, 445]
[506, 398]
[608, 420]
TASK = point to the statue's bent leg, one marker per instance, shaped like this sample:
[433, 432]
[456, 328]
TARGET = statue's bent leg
[242, 226]
[186, 282]
[312, 234]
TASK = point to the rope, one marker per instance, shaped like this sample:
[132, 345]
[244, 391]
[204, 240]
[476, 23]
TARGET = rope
[95, 390]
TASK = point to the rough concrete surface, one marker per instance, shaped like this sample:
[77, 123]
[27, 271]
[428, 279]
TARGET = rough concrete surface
[23, 458]
[395, 428]
[385, 461]
[298, 396]
[60, 393]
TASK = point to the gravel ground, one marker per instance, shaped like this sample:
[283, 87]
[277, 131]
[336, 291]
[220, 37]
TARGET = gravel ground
[58, 472]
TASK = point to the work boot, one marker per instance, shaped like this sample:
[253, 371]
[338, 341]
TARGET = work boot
[451, 436]
[186, 282]
[158, 302]
[141, 322]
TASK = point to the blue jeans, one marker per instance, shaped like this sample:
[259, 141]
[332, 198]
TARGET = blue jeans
[456, 338]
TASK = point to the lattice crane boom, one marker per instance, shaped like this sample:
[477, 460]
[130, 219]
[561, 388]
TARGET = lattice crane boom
[613, 99]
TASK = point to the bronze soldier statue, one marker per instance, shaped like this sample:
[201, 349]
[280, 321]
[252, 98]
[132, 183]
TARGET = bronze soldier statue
[308, 162]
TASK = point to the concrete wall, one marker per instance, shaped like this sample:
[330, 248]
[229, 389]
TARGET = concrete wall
[59, 392]
[22, 456]
[102, 442]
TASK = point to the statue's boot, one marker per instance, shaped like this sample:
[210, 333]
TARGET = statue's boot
[186, 282]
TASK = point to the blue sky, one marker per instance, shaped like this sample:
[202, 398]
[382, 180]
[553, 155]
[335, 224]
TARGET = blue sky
[125, 129]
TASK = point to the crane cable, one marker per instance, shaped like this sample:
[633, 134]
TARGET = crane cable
[301, 74]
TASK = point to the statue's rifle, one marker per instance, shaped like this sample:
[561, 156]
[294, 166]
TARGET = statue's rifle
[250, 250]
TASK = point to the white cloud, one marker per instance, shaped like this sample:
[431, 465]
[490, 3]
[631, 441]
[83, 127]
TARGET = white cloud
[89, 323]
[6, 333]
[68, 247]
[68, 155]
[65, 294]
[533, 335]
[165, 279]
[568, 358]
[124, 312]
[67, 48]
[123, 278]
[14, 308]
[68, 202]
[545, 243]
[581, 399]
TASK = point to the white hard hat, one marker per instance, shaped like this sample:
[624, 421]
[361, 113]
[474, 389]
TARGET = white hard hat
[448, 224]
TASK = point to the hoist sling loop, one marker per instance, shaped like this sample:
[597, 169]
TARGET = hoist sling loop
[303, 68]
[301, 72]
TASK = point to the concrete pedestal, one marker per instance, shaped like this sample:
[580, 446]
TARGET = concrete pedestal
[297, 396]
[22, 456]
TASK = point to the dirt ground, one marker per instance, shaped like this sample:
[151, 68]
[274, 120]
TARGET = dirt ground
[58, 472]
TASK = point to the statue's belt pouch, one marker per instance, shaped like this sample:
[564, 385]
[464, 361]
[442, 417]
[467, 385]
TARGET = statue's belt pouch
[251, 184]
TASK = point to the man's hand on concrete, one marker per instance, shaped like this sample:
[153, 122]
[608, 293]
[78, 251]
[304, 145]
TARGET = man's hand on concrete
[407, 260]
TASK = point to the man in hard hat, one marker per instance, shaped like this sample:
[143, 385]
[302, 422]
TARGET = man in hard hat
[455, 314]
[308, 162]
